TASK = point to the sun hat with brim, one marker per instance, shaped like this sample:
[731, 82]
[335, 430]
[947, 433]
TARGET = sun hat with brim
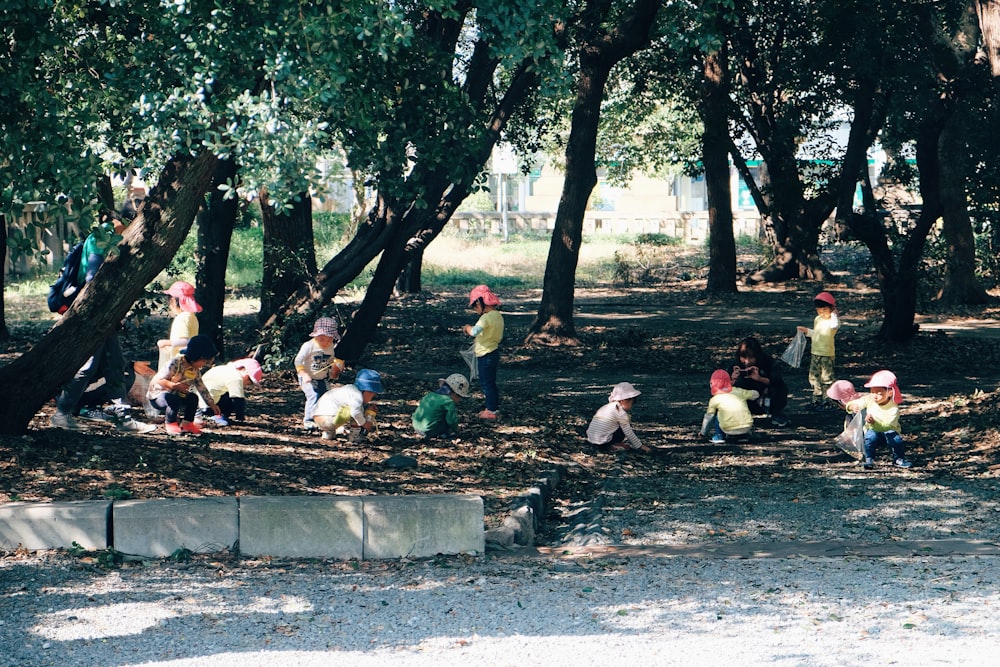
[825, 298]
[251, 367]
[326, 326]
[720, 382]
[842, 391]
[457, 383]
[888, 380]
[184, 293]
[623, 391]
[199, 347]
[483, 292]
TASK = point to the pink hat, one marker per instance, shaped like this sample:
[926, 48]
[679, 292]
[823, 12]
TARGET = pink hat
[842, 391]
[184, 293]
[720, 382]
[483, 292]
[887, 379]
[251, 368]
[827, 298]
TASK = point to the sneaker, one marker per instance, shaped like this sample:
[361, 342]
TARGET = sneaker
[781, 421]
[309, 425]
[326, 435]
[718, 439]
[902, 463]
[134, 426]
[191, 427]
[173, 428]
[97, 415]
[487, 414]
[118, 409]
[65, 421]
[868, 464]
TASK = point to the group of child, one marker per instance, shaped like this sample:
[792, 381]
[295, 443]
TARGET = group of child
[754, 386]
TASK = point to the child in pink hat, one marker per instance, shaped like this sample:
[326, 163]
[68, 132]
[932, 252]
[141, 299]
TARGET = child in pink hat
[728, 413]
[822, 334]
[487, 332]
[184, 309]
[881, 406]
[611, 425]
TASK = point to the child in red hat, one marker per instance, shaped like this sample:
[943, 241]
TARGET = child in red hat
[728, 413]
[882, 418]
[822, 334]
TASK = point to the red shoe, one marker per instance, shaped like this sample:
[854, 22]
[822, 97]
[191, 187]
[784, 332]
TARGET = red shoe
[191, 427]
[173, 428]
[487, 414]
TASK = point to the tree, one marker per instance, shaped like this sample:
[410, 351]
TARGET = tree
[602, 45]
[216, 222]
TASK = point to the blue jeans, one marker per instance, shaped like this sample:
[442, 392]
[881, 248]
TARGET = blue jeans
[313, 390]
[172, 405]
[873, 439]
[487, 366]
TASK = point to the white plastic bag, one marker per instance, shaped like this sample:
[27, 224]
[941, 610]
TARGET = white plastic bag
[470, 358]
[852, 440]
[793, 353]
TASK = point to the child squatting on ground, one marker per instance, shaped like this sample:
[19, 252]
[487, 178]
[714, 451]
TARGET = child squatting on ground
[882, 418]
[171, 389]
[612, 423]
[436, 415]
[315, 363]
[822, 334]
[488, 332]
[348, 409]
[227, 385]
[727, 412]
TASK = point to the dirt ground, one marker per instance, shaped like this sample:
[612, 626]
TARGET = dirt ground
[666, 340]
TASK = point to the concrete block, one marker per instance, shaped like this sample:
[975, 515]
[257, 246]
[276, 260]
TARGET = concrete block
[422, 525]
[302, 526]
[55, 525]
[159, 527]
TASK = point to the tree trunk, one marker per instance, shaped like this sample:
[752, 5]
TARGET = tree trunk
[289, 252]
[150, 242]
[715, 157]
[960, 285]
[4, 331]
[409, 277]
[553, 323]
[215, 234]
[988, 12]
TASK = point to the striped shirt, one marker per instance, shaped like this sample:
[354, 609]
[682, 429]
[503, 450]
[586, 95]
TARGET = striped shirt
[606, 421]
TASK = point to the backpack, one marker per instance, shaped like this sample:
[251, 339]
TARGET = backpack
[67, 284]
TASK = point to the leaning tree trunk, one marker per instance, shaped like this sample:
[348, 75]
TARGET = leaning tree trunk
[554, 322]
[215, 234]
[715, 157]
[289, 252]
[150, 242]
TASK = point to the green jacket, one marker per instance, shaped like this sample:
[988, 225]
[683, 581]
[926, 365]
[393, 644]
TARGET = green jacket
[433, 411]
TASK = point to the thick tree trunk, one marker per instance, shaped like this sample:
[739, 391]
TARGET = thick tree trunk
[4, 331]
[215, 234]
[289, 252]
[553, 324]
[150, 243]
[409, 278]
[988, 12]
[715, 156]
[960, 283]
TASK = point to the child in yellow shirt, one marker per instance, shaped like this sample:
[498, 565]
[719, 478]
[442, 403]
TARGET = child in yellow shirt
[822, 333]
[882, 420]
[728, 413]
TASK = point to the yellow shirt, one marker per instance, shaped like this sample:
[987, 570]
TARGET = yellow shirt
[884, 417]
[489, 338]
[822, 333]
[184, 326]
[731, 408]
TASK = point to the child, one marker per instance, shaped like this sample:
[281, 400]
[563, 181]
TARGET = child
[170, 389]
[183, 308]
[315, 363]
[347, 408]
[756, 369]
[727, 413]
[488, 331]
[436, 415]
[823, 330]
[227, 385]
[882, 420]
[843, 392]
[612, 423]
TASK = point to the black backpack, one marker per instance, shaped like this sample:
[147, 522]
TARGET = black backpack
[67, 284]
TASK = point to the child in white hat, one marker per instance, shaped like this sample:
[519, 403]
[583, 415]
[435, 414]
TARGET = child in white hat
[436, 415]
[611, 426]
[316, 363]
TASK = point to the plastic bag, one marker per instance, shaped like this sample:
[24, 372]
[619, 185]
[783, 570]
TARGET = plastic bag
[793, 353]
[852, 440]
[470, 358]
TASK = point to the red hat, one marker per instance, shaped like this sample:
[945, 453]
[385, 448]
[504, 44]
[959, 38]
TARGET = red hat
[184, 293]
[720, 382]
[888, 380]
[827, 298]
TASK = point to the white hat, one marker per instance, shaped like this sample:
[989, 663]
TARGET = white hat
[623, 390]
[458, 384]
